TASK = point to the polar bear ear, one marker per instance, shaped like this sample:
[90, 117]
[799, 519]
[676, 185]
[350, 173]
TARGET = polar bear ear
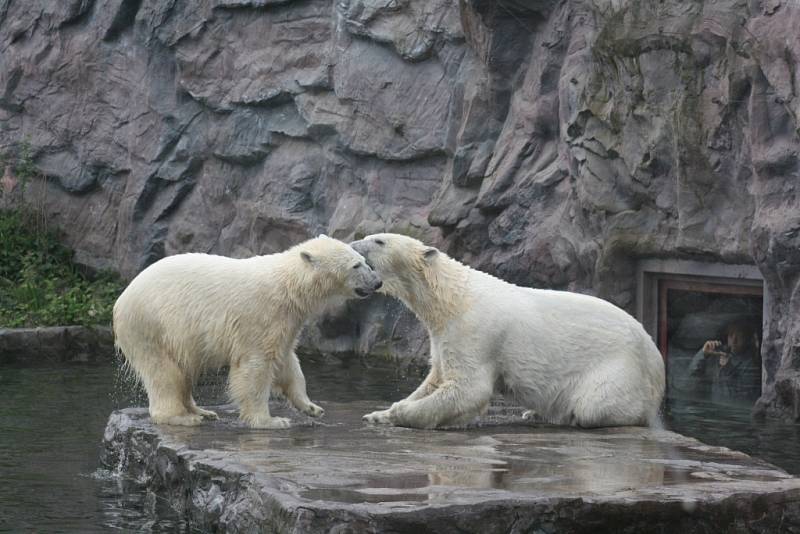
[323, 236]
[307, 257]
[429, 254]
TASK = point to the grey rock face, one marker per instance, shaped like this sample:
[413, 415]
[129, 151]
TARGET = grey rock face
[501, 476]
[551, 143]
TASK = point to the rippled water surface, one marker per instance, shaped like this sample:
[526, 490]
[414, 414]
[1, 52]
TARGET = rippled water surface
[51, 424]
[52, 421]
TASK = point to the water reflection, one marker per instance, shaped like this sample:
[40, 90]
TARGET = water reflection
[394, 465]
[519, 465]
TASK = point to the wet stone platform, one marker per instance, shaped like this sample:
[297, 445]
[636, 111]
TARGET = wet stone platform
[501, 475]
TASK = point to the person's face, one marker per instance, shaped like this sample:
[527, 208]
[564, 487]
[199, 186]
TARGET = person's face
[737, 341]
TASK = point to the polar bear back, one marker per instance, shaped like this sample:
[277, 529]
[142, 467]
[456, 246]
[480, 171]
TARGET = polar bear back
[197, 304]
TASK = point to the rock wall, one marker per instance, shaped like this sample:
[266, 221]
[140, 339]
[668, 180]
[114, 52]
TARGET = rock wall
[553, 143]
[47, 346]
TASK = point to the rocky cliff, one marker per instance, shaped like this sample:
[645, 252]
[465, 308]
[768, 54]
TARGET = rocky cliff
[553, 143]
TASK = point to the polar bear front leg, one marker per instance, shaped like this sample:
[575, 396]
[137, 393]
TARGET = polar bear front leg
[381, 417]
[291, 381]
[249, 383]
[453, 402]
[428, 386]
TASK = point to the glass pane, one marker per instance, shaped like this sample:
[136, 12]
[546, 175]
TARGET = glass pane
[713, 346]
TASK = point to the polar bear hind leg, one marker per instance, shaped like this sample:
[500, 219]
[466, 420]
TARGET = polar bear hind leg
[290, 381]
[167, 390]
[191, 406]
[608, 396]
[205, 414]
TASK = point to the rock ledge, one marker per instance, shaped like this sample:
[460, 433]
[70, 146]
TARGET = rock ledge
[502, 475]
[56, 344]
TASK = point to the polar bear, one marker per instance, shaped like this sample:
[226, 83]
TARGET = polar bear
[568, 358]
[190, 312]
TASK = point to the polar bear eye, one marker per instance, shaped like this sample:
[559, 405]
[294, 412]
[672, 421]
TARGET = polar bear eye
[357, 266]
[379, 242]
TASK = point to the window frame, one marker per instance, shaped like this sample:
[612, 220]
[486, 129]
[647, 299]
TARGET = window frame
[655, 277]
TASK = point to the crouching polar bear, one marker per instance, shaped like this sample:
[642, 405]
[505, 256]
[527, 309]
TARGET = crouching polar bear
[568, 358]
[189, 312]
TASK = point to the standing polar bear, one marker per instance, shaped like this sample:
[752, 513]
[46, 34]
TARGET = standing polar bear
[190, 312]
[568, 358]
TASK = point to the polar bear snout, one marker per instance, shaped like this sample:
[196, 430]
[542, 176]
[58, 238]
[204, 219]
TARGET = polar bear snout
[361, 246]
[364, 247]
[368, 290]
[364, 280]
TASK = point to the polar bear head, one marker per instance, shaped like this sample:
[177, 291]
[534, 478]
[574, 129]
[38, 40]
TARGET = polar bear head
[341, 268]
[397, 259]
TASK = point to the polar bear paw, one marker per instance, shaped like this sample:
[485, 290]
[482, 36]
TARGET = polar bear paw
[179, 420]
[207, 414]
[262, 421]
[313, 410]
[382, 417]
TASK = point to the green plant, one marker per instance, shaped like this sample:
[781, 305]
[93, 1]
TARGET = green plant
[39, 283]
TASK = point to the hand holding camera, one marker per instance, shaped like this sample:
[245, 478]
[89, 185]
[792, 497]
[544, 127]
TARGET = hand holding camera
[718, 350]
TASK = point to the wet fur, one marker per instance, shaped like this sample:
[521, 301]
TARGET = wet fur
[191, 312]
[569, 358]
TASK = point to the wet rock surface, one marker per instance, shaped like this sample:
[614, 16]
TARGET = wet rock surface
[502, 474]
[551, 143]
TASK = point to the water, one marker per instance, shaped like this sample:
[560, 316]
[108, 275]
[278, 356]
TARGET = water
[52, 421]
[732, 427]
[51, 424]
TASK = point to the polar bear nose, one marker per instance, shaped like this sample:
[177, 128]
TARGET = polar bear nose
[378, 285]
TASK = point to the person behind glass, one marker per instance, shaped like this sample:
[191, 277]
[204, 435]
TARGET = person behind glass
[732, 370]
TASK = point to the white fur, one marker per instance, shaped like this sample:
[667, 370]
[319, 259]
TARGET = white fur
[190, 312]
[567, 357]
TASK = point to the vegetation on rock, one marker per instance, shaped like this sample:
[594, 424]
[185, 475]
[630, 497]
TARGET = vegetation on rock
[40, 285]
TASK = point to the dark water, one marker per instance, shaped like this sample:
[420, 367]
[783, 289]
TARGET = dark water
[732, 427]
[52, 421]
[51, 424]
